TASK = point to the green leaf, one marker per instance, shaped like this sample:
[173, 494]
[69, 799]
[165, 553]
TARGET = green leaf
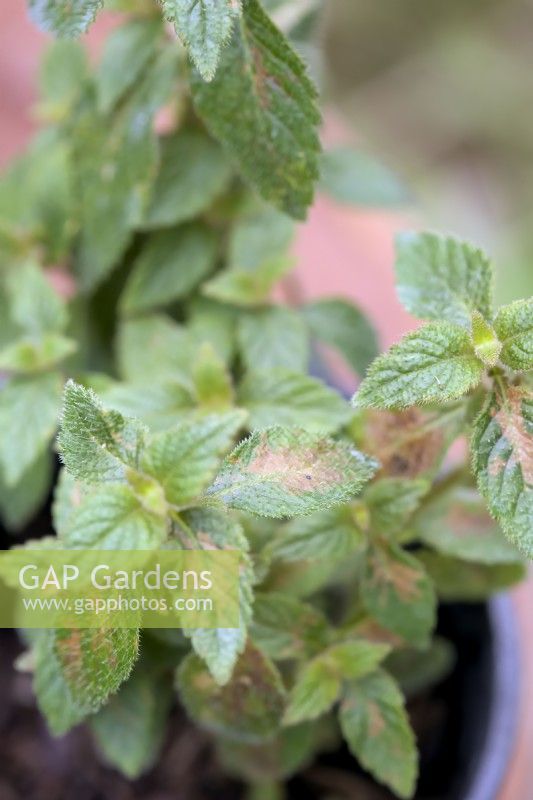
[456, 524]
[29, 355]
[246, 287]
[356, 178]
[68, 18]
[194, 171]
[417, 671]
[514, 326]
[442, 278]
[20, 503]
[212, 381]
[247, 709]
[431, 365]
[273, 337]
[68, 494]
[502, 460]
[487, 346]
[115, 166]
[52, 693]
[285, 628]
[154, 349]
[63, 74]
[184, 460]
[170, 265]
[261, 235]
[376, 728]
[263, 83]
[97, 445]
[285, 472]
[397, 592]
[33, 304]
[94, 662]
[461, 581]
[342, 326]
[160, 406]
[326, 535]
[130, 729]
[212, 323]
[112, 517]
[29, 411]
[392, 501]
[220, 647]
[204, 26]
[319, 683]
[281, 397]
[126, 54]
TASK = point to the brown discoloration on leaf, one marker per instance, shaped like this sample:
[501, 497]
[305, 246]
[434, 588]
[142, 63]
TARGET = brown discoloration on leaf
[301, 470]
[510, 418]
[372, 631]
[376, 723]
[405, 580]
[497, 466]
[70, 652]
[465, 522]
[398, 441]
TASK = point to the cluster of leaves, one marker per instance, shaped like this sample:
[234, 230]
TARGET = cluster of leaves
[188, 417]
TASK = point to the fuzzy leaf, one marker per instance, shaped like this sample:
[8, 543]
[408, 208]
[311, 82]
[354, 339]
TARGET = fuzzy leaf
[431, 365]
[68, 18]
[97, 445]
[170, 265]
[184, 460]
[397, 592]
[247, 709]
[126, 54]
[52, 693]
[129, 730]
[29, 411]
[456, 524]
[342, 326]
[502, 460]
[113, 518]
[442, 278]
[285, 628]
[194, 171]
[95, 662]
[273, 337]
[376, 728]
[329, 534]
[319, 683]
[285, 472]
[281, 397]
[356, 178]
[461, 581]
[263, 83]
[514, 326]
[205, 26]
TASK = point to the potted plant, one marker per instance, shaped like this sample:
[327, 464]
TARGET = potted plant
[188, 417]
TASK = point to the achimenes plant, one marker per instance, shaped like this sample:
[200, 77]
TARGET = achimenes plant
[189, 418]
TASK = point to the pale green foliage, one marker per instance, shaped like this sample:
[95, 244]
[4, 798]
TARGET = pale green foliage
[262, 82]
[457, 580]
[284, 472]
[204, 26]
[376, 727]
[502, 460]
[64, 17]
[19, 503]
[51, 689]
[514, 326]
[192, 173]
[319, 684]
[286, 628]
[130, 729]
[442, 278]
[273, 337]
[356, 178]
[326, 535]
[281, 397]
[342, 326]
[434, 364]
